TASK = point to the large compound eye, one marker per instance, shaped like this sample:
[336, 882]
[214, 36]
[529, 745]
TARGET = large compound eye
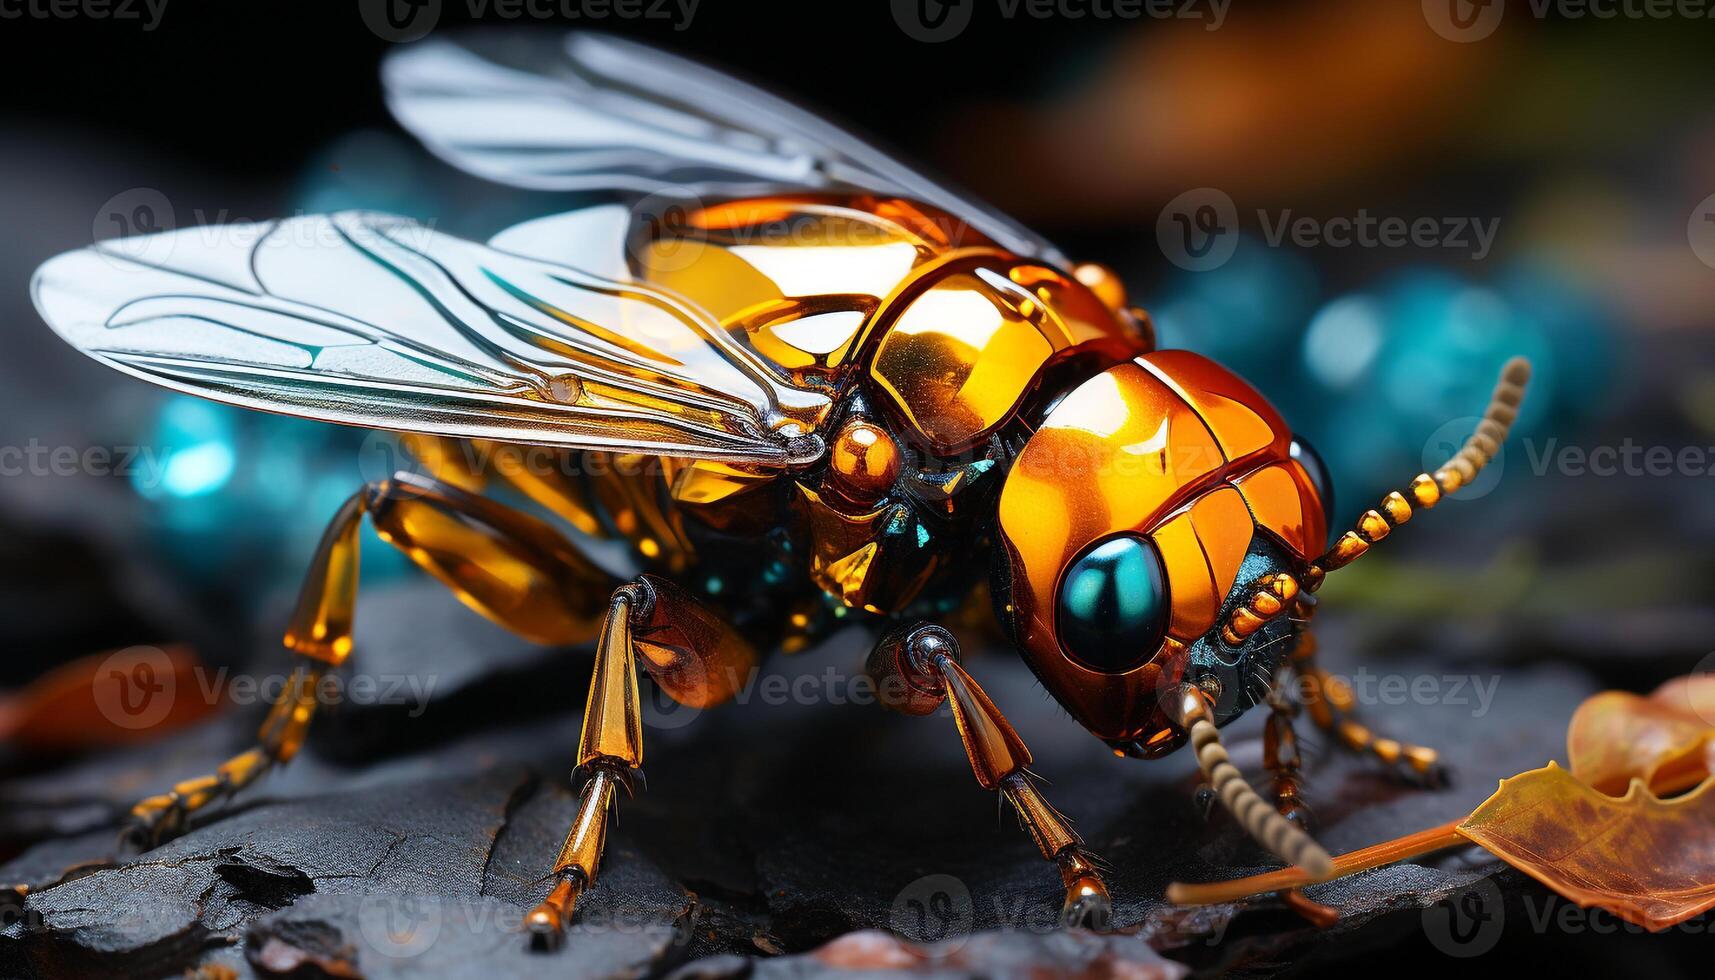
[1320, 478]
[1113, 604]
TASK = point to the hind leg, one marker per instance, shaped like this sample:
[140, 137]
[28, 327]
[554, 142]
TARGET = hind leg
[512, 568]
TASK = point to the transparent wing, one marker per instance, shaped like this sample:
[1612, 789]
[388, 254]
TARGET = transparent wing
[374, 320]
[592, 112]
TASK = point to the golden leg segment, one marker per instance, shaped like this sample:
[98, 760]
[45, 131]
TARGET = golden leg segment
[580, 856]
[1333, 709]
[1189, 708]
[918, 670]
[506, 565]
[692, 654]
[166, 815]
[1284, 763]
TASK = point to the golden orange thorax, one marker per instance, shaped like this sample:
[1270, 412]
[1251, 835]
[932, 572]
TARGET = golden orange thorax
[934, 338]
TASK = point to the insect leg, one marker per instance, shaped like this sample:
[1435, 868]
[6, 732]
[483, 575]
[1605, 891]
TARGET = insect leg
[508, 566]
[1188, 706]
[916, 669]
[160, 817]
[1332, 708]
[692, 654]
[1281, 757]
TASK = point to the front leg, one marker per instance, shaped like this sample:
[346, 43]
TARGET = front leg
[610, 756]
[917, 669]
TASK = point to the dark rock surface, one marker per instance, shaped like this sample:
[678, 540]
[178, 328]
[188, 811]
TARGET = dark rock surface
[772, 826]
[802, 831]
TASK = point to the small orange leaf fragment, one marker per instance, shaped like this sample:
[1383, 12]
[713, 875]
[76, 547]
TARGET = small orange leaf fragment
[1619, 737]
[1692, 695]
[1647, 860]
[1666, 739]
[117, 698]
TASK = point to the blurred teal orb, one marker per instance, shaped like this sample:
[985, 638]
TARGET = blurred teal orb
[240, 498]
[367, 169]
[1343, 340]
[193, 450]
[1447, 340]
[1397, 368]
[199, 470]
[1589, 358]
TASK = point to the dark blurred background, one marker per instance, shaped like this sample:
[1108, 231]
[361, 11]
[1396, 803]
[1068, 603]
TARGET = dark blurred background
[1563, 166]
[1561, 162]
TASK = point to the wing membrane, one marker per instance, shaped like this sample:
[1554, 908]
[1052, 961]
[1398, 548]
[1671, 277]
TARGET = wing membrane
[374, 320]
[591, 112]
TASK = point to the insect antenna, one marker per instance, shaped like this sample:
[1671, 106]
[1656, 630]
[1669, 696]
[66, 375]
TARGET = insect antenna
[1188, 707]
[1282, 594]
[1426, 490]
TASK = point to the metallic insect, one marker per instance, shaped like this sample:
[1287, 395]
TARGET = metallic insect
[804, 384]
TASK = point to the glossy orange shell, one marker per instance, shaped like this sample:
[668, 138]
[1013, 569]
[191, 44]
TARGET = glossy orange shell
[947, 333]
[957, 349]
[951, 329]
[1173, 446]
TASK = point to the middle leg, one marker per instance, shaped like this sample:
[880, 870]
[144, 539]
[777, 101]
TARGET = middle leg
[1333, 709]
[693, 655]
[1281, 756]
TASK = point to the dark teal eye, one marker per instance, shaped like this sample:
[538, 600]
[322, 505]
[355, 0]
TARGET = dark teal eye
[1113, 604]
[1320, 478]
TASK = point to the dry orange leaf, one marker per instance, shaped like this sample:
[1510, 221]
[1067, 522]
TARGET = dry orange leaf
[1646, 856]
[1693, 695]
[1666, 739]
[1647, 860]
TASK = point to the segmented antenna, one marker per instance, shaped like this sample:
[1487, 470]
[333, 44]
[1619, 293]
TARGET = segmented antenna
[1425, 490]
[1189, 708]
[1274, 595]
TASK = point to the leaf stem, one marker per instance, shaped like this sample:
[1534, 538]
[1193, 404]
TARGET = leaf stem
[1374, 856]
